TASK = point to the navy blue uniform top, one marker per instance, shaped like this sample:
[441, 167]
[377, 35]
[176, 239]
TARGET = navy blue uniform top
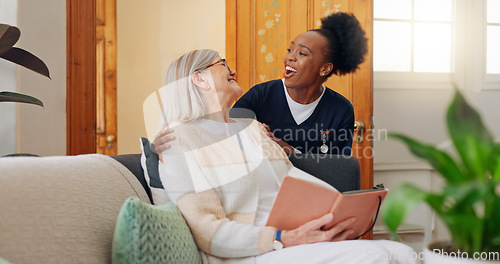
[333, 114]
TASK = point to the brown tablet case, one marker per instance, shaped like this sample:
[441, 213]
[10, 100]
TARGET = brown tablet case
[300, 201]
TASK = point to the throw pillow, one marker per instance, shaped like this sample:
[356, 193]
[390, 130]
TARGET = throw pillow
[147, 233]
[149, 163]
[3, 261]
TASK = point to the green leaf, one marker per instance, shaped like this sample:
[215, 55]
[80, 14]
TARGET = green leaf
[20, 98]
[9, 35]
[399, 203]
[21, 155]
[491, 239]
[467, 194]
[466, 231]
[495, 172]
[438, 159]
[471, 138]
[27, 60]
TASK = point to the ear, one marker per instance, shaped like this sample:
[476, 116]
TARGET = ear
[326, 69]
[200, 80]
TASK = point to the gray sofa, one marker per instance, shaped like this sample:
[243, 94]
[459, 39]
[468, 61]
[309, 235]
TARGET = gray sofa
[64, 209]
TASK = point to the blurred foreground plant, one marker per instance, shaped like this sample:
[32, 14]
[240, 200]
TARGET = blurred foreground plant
[469, 202]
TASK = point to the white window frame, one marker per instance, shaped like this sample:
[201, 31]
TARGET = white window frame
[468, 57]
[481, 81]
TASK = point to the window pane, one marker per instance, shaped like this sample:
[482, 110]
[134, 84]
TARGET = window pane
[396, 9]
[493, 52]
[392, 46]
[432, 49]
[433, 10]
[493, 10]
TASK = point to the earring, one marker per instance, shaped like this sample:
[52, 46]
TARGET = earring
[322, 74]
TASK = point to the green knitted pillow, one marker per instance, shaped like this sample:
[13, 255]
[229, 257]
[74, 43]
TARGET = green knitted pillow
[3, 261]
[147, 233]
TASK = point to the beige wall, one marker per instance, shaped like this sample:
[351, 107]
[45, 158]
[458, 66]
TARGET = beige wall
[29, 128]
[151, 34]
[43, 32]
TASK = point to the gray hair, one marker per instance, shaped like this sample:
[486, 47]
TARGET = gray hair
[182, 101]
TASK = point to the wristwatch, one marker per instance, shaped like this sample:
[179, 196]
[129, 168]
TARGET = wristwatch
[277, 245]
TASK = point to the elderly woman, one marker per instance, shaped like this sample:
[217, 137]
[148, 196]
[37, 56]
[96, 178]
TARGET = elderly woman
[223, 174]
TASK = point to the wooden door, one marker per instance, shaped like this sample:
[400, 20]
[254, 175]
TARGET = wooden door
[81, 77]
[106, 126]
[258, 32]
[91, 77]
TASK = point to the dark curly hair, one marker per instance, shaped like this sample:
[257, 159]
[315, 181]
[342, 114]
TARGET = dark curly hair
[347, 40]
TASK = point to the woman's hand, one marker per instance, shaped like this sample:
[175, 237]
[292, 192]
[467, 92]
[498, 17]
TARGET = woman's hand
[162, 139]
[311, 232]
[285, 146]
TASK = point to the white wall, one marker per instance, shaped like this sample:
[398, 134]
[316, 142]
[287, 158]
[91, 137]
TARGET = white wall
[30, 128]
[151, 34]
[8, 77]
[43, 25]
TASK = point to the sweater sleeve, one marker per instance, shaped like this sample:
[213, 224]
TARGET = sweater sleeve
[216, 234]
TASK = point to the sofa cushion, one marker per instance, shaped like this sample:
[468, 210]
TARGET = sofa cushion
[149, 163]
[147, 233]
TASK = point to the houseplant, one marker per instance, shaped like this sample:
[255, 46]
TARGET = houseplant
[469, 202]
[9, 35]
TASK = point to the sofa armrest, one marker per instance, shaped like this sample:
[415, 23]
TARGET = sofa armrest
[62, 209]
[133, 163]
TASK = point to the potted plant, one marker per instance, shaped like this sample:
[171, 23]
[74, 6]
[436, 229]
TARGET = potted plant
[469, 202]
[9, 35]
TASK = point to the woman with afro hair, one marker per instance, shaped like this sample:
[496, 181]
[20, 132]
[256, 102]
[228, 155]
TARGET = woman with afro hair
[302, 115]
[299, 113]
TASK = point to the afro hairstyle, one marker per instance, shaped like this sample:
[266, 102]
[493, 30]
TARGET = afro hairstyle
[347, 42]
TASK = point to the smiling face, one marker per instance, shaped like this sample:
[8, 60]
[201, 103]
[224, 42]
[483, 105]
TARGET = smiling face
[225, 83]
[305, 61]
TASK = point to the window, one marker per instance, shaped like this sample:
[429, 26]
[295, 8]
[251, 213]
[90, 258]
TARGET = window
[402, 33]
[436, 43]
[493, 37]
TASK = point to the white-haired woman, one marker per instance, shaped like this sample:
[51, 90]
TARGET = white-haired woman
[223, 174]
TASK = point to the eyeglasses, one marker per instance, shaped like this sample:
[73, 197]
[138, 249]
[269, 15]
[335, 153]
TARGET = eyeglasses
[224, 63]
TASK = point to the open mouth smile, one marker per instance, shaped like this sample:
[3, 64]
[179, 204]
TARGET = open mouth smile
[289, 71]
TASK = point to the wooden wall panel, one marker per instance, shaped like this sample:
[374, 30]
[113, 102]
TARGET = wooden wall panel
[362, 93]
[81, 77]
[106, 130]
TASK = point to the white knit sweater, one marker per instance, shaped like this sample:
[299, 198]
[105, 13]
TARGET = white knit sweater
[208, 176]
